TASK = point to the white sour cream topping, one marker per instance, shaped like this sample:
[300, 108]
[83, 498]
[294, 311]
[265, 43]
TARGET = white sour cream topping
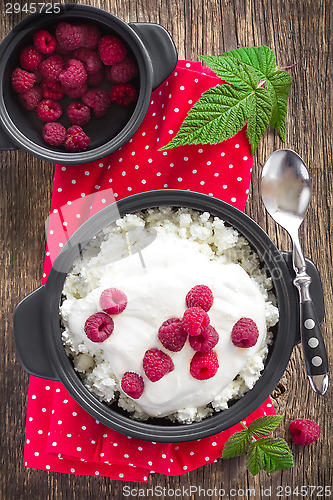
[157, 292]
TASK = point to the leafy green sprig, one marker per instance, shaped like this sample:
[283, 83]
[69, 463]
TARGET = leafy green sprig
[263, 451]
[257, 96]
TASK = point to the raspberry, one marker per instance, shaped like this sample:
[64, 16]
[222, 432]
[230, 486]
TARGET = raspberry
[95, 79]
[52, 67]
[111, 50]
[70, 37]
[52, 89]
[54, 133]
[38, 76]
[44, 42]
[195, 320]
[74, 74]
[113, 301]
[156, 364]
[204, 365]
[31, 98]
[205, 341]
[98, 100]
[30, 58]
[76, 92]
[64, 54]
[132, 384]
[92, 37]
[122, 71]
[90, 59]
[78, 113]
[22, 80]
[304, 432]
[172, 335]
[123, 94]
[98, 327]
[200, 296]
[244, 333]
[76, 139]
[49, 110]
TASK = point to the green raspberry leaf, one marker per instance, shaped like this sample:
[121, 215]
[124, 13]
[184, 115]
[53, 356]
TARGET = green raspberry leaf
[233, 71]
[260, 58]
[278, 82]
[257, 95]
[266, 453]
[269, 454]
[279, 87]
[262, 426]
[237, 444]
[218, 115]
[259, 117]
[255, 459]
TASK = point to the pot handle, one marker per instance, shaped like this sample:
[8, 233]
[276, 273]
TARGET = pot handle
[5, 142]
[28, 334]
[316, 290]
[161, 48]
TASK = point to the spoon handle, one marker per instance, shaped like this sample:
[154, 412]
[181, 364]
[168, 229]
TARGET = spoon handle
[314, 352]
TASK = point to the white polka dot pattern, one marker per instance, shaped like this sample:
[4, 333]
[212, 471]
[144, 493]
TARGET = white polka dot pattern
[60, 435]
[89, 456]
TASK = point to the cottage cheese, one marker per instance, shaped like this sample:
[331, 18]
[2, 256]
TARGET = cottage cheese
[156, 257]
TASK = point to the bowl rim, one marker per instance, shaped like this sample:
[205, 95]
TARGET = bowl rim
[280, 352]
[97, 15]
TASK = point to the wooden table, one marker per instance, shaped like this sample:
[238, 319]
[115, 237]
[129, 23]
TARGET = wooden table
[298, 31]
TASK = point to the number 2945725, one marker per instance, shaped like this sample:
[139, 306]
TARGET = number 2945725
[32, 8]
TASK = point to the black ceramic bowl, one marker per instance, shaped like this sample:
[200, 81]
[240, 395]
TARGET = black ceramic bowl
[149, 44]
[38, 335]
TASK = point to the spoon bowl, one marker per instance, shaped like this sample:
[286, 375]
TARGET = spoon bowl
[285, 188]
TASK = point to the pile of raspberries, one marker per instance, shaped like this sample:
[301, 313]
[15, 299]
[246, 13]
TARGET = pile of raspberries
[73, 62]
[173, 333]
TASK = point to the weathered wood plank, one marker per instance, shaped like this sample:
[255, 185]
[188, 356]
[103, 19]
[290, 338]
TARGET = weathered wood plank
[297, 32]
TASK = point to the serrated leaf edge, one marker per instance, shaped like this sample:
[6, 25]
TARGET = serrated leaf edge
[238, 80]
[264, 460]
[254, 463]
[264, 428]
[240, 445]
[258, 120]
[242, 104]
[278, 125]
[275, 111]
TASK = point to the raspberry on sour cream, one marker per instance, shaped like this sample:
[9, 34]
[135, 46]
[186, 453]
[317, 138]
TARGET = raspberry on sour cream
[195, 320]
[245, 333]
[204, 365]
[156, 364]
[132, 384]
[98, 327]
[113, 301]
[200, 296]
[171, 334]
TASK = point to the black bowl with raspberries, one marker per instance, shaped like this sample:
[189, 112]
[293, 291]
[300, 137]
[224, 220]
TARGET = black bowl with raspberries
[41, 351]
[77, 85]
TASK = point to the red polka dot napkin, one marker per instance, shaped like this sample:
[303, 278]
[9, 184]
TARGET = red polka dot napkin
[60, 435]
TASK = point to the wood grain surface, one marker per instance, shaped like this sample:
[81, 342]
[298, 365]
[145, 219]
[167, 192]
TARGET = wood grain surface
[298, 31]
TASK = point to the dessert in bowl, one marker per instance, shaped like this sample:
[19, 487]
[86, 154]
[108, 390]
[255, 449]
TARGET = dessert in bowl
[170, 269]
[39, 334]
[148, 45]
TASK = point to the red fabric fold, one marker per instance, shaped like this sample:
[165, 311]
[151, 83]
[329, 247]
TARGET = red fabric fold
[60, 435]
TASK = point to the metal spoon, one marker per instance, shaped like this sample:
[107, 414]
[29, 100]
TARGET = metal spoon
[285, 190]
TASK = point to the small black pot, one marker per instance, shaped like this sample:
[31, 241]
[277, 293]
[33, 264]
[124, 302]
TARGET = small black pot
[151, 46]
[38, 336]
